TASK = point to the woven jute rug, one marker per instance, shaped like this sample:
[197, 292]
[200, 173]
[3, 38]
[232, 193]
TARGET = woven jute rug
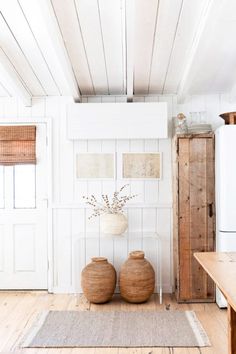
[62, 329]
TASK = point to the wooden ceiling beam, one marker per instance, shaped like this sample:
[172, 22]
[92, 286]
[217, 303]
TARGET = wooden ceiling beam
[59, 47]
[12, 81]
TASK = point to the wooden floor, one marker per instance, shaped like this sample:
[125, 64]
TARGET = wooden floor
[19, 309]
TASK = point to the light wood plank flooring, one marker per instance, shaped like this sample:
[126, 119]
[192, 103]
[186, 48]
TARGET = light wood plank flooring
[18, 310]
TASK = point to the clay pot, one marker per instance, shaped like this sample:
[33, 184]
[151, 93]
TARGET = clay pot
[137, 278]
[98, 280]
[114, 224]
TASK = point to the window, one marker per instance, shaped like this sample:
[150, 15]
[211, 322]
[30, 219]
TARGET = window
[24, 186]
[17, 166]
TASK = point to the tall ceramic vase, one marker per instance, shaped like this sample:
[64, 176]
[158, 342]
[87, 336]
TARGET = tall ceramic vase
[113, 224]
[98, 280]
[137, 278]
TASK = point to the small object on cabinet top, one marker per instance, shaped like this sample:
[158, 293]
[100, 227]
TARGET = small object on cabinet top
[229, 117]
[181, 126]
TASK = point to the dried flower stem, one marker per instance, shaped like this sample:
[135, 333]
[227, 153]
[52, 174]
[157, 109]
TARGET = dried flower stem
[114, 206]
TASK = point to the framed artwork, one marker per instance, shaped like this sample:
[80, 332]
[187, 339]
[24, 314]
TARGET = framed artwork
[141, 165]
[95, 166]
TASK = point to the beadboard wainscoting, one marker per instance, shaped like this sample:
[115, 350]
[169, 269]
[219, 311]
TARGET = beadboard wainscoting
[150, 211]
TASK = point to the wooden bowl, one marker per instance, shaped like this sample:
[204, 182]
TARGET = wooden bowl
[229, 117]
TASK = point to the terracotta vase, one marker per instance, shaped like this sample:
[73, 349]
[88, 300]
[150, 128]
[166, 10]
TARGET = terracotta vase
[98, 280]
[114, 224]
[137, 278]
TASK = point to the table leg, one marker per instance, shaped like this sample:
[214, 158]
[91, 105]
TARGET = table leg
[231, 330]
[159, 264]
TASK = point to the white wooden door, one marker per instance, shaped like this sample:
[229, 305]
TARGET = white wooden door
[23, 221]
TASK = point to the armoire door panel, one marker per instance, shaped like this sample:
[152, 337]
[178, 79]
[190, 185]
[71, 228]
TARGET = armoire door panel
[198, 233]
[195, 214]
[184, 217]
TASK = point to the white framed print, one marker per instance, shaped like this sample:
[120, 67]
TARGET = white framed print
[95, 165]
[141, 165]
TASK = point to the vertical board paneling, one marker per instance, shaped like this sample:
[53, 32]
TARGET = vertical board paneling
[10, 107]
[149, 219]
[66, 154]
[38, 108]
[135, 218]
[150, 248]
[78, 228]
[92, 245]
[137, 187]
[151, 192]
[1, 248]
[164, 230]
[23, 111]
[120, 252]
[107, 248]
[165, 193]
[63, 248]
[70, 221]
[80, 186]
[51, 110]
[92, 225]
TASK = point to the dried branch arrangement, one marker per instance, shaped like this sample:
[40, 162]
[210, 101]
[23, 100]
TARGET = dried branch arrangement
[113, 206]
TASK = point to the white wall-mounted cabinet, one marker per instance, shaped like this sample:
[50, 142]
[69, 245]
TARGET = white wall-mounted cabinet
[136, 120]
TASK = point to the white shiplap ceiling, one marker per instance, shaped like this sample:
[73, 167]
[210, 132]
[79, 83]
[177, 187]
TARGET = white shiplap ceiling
[106, 47]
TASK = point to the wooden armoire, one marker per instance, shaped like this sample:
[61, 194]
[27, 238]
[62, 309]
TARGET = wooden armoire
[194, 214]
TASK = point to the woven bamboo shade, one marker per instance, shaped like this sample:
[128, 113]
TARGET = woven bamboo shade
[17, 145]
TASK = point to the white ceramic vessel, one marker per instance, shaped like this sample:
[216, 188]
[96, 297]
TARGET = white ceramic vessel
[114, 224]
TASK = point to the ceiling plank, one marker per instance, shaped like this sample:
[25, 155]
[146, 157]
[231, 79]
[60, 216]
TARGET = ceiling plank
[3, 91]
[110, 16]
[89, 20]
[189, 18]
[211, 67]
[167, 22]
[19, 61]
[11, 80]
[144, 38]
[66, 13]
[43, 22]
[22, 32]
[129, 30]
[185, 80]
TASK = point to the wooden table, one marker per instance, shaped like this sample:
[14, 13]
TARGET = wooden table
[222, 269]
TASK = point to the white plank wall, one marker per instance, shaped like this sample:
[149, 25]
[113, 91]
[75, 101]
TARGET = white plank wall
[150, 211]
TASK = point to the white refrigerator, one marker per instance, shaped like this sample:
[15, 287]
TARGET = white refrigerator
[225, 163]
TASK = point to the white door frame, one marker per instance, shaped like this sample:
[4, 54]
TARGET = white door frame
[48, 122]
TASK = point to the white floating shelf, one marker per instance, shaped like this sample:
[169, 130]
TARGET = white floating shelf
[117, 120]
